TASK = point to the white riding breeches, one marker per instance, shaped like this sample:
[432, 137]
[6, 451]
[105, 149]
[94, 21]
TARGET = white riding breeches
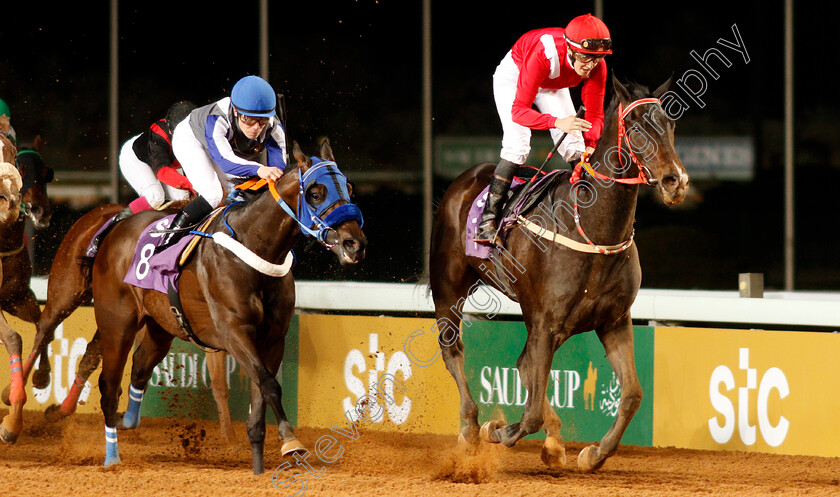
[143, 180]
[207, 178]
[516, 140]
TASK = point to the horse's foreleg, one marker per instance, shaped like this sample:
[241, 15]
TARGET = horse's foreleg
[618, 344]
[534, 366]
[13, 422]
[256, 429]
[245, 352]
[273, 358]
[216, 365]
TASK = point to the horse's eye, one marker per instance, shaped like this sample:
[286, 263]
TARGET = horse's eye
[315, 195]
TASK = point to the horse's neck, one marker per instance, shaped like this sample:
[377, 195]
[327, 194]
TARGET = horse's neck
[11, 235]
[265, 228]
[610, 217]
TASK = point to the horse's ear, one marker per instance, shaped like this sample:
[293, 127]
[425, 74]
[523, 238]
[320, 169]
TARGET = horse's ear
[302, 160]
[326, 150]
[4, 123]
[664, 88]
[621, 91]
[39, 142]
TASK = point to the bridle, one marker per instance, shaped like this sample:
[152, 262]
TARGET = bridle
[644, 177]
[308, 217]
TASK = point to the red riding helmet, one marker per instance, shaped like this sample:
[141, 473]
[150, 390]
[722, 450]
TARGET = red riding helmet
[588, 34]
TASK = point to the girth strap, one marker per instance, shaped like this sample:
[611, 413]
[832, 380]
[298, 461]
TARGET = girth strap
[181, 318]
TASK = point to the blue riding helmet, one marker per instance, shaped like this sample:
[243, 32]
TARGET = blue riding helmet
[253, 96]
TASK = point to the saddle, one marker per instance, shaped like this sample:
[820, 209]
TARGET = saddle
[524, 194]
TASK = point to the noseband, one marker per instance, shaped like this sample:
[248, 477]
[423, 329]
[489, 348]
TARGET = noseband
[309, 217]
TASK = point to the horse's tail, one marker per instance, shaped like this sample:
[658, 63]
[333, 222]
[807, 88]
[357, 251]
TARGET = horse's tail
[86, 268]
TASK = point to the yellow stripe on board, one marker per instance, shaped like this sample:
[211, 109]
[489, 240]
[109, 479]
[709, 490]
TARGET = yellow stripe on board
[344, 358]
[762, 391]
[71, 338]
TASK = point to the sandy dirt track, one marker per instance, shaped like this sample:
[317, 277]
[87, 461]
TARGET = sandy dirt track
[173, 457]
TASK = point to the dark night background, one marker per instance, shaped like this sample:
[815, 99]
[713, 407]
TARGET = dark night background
[351, 70]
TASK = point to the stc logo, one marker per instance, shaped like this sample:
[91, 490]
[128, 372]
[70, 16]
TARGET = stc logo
[773, 379]
[357, 361]
[64, 358]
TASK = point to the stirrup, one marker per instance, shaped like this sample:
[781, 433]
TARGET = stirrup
[171, 239]
[487, 236]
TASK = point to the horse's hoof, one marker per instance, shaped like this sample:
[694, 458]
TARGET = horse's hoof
[128, 423]
[112, 461]
[488, 430]
[293, 446]
[5, 396]
[553, 453]
[40, 379]
[7, 434]
[587, 461]
[54, 413]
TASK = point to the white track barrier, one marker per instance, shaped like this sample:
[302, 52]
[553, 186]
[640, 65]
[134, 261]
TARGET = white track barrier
[791, 309]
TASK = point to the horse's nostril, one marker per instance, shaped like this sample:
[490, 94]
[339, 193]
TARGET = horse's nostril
[351, 245]
[670, 182]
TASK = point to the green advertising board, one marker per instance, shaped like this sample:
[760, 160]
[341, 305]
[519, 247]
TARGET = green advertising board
[180, 384]
[582, 387]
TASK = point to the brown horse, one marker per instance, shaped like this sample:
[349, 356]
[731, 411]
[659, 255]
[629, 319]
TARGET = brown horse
[230, 304]
[562, 291]
[10, 206]
[16, 296]
[68, 289]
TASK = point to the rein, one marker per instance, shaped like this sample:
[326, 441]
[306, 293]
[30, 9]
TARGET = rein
[13, 252]
[644, 178]
[323, 227]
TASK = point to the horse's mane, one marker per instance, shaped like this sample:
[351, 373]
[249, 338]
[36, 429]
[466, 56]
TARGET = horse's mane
[636, 90]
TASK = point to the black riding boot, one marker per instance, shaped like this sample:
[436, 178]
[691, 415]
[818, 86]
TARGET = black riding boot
[187, 218]
[487, 229]
[123, 214]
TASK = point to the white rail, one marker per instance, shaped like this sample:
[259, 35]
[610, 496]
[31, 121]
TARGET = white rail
[794, 309]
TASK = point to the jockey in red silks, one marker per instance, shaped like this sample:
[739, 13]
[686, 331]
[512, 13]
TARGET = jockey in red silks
[538, 71]
[148, 163]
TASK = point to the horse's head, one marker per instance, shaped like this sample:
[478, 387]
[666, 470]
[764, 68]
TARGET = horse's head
[35, 175]
[324, 210]
[650, 139]
[10, 185]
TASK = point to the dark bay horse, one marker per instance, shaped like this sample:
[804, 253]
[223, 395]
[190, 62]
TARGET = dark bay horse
[10, 207]
[230, 304]
[16, 296]
[563, 291]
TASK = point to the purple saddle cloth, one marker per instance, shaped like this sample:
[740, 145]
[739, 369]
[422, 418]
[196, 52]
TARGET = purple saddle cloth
[481, 251]
[156, 271]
